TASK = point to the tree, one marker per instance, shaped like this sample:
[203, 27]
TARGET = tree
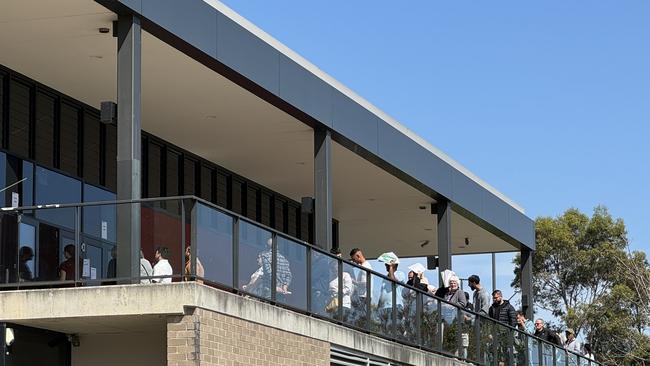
[584, 275]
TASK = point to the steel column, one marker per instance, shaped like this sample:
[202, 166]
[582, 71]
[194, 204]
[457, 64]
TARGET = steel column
[526, 278]
[443, 211]
[129, 51]
[323, 188]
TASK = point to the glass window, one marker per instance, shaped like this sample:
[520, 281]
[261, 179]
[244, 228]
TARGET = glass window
[251, 202]
[265, 208]
[68, 139]
[44, 131]
[236, 195]
[222, 189]
[99, 221]
[279, 214]
[27, 186]
[3, 175]
[19, 106]
[173, 160]
[254, 260]
[27, 252]
[52, 187]
[91, 153]
[295, 255]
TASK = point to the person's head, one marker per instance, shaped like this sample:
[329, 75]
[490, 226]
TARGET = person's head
[356, 255]
[521, 317]
[188, 253]
[454, 282]
[539, 324]
[587, 348]
[68, 251]
[570, 334]
[161, 253]
[474, 282]
[497, 297]
[26, 253]
[336, 252]
[391, 264]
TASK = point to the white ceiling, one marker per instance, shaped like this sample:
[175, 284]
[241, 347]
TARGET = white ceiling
[58, 44]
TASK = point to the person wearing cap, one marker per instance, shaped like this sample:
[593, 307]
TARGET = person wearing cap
[571, 343]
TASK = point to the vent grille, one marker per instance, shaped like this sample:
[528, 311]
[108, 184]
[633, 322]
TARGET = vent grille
[340, 357]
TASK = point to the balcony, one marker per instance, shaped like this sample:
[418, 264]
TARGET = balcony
[240, 256]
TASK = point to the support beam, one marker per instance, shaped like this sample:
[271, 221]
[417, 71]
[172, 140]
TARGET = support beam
[443, 211]
[323, 188]
[526, 278]
[129, 49]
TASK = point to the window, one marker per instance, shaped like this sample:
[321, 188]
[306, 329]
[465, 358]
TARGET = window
[236, 195]
[280, 209]
[91, 151]
[68, 139]
[52, 187]
[99, 221]
[154, 163]
[44, 131]
[2, 103]
[265, 208]
[19, 114]
[251, 201]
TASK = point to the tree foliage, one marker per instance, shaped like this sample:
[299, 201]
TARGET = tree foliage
[585, 276]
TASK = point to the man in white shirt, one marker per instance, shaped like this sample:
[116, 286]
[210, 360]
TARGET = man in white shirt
[360, 280]
[162, 267]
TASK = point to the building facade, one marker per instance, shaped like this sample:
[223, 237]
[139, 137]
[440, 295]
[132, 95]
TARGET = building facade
[135, 127]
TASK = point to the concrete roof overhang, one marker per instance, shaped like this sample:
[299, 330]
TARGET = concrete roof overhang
[214, 84]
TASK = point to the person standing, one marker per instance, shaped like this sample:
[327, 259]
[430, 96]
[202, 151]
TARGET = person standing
[571, 343]
[480, 298]
[162, 266]
[146, 270]
[546, 334]
[501, 310]
[523, 324]
[356, 255]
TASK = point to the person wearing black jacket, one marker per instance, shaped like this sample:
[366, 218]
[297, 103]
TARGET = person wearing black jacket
[501, 310]
[546, 334]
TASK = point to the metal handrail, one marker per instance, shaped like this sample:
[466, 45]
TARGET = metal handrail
[275, 233]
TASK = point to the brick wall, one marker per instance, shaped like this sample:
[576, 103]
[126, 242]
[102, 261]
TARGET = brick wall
[208, 338]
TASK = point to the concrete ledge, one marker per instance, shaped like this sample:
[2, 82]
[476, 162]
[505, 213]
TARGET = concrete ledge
[172, 299]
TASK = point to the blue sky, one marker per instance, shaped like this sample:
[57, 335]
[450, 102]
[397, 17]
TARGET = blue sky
[547, 101]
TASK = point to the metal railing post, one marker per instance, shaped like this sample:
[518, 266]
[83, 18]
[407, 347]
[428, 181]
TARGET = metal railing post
[235, 253]
[339, 271]
[77, 243]
[274, 266]
[418, 318]
[394, 309]
[310, 285]
[183, 238]
[194, 250]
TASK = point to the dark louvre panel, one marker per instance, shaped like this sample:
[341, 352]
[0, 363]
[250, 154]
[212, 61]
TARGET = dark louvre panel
[19, 105]
[304, 226]
[292, 219]
[44, 132]
[236, 195]
[206, 183]
[68, 143]
[189, 177]
[280, 208]
[251, 201]
[222, 189]
[154, 163]
[2, 104]
[91, 151]
[265, 208]
[111, 157]
[172, 187]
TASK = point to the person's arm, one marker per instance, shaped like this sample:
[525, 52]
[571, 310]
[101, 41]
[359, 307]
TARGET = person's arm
[512, 315]
[347, 284]
[62, 274]
[462, 299]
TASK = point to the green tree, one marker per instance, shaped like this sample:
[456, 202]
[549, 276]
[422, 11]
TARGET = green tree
[584, 275]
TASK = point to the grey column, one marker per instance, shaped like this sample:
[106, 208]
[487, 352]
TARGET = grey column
[443, 211]
[129, 47]
[526, 278]
[323, 188]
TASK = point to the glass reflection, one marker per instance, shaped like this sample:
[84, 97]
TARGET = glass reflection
[99, 221]
[323, 272]
[54, 188]
[214, 238]
[255, 260]
[296, 255]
